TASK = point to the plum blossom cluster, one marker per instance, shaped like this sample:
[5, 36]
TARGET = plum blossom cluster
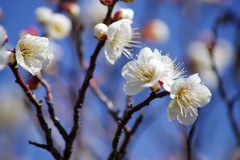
[154, 70]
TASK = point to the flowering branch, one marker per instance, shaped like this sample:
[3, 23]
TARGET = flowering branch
[38, 106]
[82, 91]
[126, 117]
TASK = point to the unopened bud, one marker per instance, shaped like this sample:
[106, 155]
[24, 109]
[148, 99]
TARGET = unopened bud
[107, 2]
[124, 13]
[73, 9]
[100, 31]
[11, 57]
[34, 83]
[43, 14]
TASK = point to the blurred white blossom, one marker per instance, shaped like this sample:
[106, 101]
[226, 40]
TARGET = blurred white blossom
[59, 26]
[188, 95]
[156, 30]
[32, 53]
[151, 70]
[120, 37]
[43, 14]
[72, 8]
[200, 59]
[124, 13]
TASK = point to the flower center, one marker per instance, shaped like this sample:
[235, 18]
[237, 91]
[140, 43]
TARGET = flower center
[185, 96]
[58, 27]
[26, 50]
[145, 73]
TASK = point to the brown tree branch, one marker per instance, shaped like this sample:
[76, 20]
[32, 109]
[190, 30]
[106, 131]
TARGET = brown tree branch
[128, 137]
[38, 106]
[127, 116]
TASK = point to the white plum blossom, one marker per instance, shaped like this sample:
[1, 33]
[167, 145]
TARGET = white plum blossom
[59, 26]
[32, 53]
[151, 70]
[188, 95]
[120, 37]
[43, 14]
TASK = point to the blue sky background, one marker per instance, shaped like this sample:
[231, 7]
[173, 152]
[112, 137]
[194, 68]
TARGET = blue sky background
[156, 138]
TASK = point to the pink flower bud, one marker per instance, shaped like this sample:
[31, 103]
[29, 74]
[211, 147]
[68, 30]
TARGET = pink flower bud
[107, 2]
[33, 30]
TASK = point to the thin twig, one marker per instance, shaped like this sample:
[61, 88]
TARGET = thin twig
[127, 116]
[38, 107]
[49, 101]
[223, 93]
[189, 141]
[128, 137]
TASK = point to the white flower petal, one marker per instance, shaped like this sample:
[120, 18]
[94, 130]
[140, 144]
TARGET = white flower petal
[132, 89]
[173, 110]
[193, 80]
[188, 119]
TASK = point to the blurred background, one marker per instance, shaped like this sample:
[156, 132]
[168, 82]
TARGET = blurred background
[181, 28]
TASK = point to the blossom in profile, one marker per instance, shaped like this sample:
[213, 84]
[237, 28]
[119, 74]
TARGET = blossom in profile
[156, 30]
[124, 13]
[3, 36]
[188, 95]
[151, 70]
[120, 38]
[32, 53]
[43, 14]
[59, 26]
